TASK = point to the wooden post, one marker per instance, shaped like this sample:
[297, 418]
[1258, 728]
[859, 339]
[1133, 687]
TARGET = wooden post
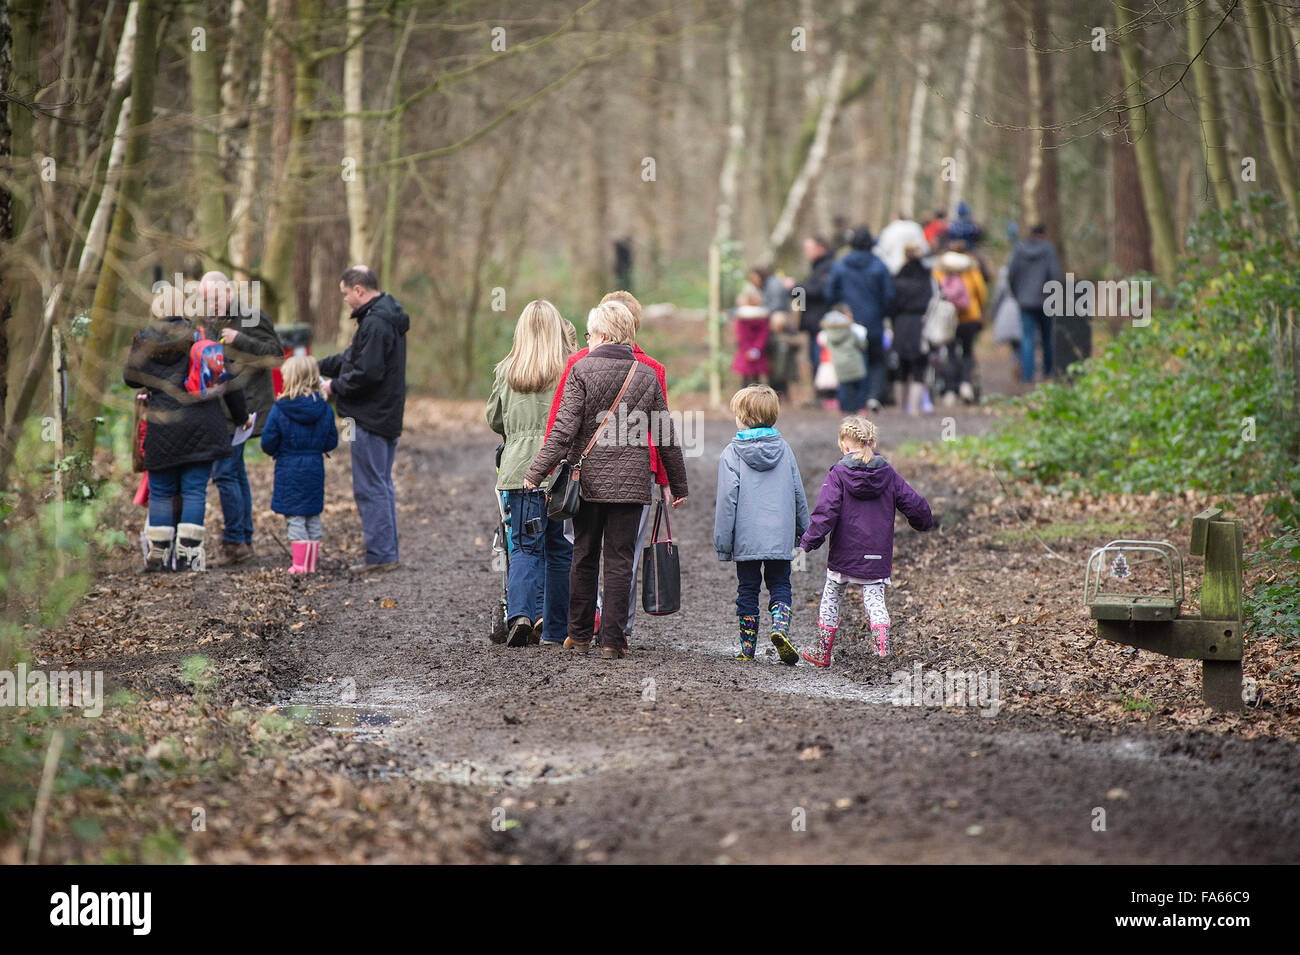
[56, 386]
[715, 326]
[1221, 601]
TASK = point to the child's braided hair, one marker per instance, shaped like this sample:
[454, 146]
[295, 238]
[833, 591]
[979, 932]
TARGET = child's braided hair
[861, 431]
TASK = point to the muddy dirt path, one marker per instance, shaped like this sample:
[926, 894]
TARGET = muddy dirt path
[679, 754]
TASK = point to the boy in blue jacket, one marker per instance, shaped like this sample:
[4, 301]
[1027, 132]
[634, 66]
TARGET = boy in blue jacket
[299, 432]
[761, 513]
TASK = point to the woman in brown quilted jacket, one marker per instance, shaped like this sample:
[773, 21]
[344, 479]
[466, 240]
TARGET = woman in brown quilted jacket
[616, 476]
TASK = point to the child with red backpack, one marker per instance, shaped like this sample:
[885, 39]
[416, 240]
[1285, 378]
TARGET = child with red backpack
[299, 432]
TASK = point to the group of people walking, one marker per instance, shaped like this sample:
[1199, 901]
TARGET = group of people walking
[551, 406]
[549, 400]
[871, 315]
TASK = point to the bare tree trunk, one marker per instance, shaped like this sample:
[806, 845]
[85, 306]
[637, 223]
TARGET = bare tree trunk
[927, 41]
[1276, 134]
[1034, 174]
[1048, 198]
[1208, 110]
[962, 116]
[20, 331]
[103, 318]
[354, 137]
[282, 240]
[209, 183]
[246, 188]
[234, 83]
[1132, 234]
[814, 161]
[1154, 200]
[728, 193]
[6, 208]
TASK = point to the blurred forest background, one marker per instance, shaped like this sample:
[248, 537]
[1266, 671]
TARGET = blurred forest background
[465, 147]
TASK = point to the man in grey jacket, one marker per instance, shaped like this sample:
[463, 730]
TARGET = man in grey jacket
[1033, 264]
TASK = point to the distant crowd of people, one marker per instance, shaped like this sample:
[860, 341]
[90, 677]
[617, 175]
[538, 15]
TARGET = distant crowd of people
[893, 319]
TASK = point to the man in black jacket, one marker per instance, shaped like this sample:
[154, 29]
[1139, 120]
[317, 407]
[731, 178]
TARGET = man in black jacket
[369, 385]
[812, 291]
[252, 349]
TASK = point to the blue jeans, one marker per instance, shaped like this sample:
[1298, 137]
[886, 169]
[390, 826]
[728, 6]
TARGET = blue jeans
[190, 481]
[1032, 320]
[750, 575]
[372, 488]
[540, 559]
[231, 479]
[853, 395]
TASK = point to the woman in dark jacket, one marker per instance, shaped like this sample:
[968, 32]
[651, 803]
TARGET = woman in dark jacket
[913, 288]
[616, 477]
[184, 433]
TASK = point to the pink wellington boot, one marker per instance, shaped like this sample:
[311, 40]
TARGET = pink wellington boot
[313, 552]
[819, 655]
[300, 550]
[881, 633]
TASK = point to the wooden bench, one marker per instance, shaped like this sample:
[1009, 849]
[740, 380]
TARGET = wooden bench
[1155, 622]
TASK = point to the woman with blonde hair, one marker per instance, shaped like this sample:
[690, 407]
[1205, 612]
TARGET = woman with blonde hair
[299, 432]
[537, 585]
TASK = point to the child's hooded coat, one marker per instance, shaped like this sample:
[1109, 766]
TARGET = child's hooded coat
[298, 432]
[761, 508]
[855, 508]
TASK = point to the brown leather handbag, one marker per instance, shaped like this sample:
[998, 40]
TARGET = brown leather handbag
[565, 494]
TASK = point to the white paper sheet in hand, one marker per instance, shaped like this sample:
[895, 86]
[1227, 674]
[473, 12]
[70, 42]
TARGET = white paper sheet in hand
[243, 434]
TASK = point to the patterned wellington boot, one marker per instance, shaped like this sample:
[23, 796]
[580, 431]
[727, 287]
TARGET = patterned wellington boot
[780, 634]
[819, 655]
[881, 633]
[748, 638]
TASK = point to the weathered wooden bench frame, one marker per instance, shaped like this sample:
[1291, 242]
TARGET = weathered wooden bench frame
[1155, 622]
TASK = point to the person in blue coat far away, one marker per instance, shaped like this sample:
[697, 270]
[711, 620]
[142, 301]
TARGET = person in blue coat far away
[299, 432]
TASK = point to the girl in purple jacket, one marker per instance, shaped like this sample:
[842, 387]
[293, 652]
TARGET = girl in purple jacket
[855, 509]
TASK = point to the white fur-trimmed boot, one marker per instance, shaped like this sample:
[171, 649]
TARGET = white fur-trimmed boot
[158, 551]
[189, 548]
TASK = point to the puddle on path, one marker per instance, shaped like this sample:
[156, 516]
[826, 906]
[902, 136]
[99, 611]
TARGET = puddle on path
[465, 773]
[345, 716]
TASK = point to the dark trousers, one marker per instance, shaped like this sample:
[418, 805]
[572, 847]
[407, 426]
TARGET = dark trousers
[853, 395]
[749, 577]
[964, 353]
[231, 479]
[376, 497]
[611, 529]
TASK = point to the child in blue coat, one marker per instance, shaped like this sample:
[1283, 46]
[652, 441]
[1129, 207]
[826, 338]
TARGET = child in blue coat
[299, 432]
[761, 512]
